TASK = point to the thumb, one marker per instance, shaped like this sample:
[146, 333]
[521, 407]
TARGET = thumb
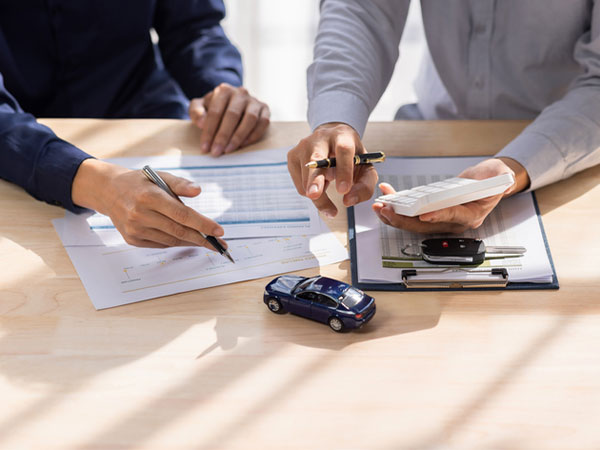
[386, 188]
[197, 111]
[181, 186]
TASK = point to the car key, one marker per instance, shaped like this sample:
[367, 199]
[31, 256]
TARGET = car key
[462, 251]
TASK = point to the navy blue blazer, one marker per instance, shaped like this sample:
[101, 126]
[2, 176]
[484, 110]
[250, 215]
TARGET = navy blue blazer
[95, 58]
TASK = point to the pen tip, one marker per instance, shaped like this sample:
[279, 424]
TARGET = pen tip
[226, 254]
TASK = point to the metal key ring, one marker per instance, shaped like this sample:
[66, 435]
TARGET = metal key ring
[405, 252]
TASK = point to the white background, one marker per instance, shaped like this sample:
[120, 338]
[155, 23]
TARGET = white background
[276, 39]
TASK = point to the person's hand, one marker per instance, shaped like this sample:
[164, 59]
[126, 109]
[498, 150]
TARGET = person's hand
[229, 118]
[356, 183]
[144, 214]
[459, 218]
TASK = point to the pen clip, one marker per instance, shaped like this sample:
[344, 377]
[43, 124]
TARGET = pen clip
[378, 159]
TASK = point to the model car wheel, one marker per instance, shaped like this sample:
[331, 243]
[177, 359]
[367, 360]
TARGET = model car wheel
[274, 305]
[336, 324]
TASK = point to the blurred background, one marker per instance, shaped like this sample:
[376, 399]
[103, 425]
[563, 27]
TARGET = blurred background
[276, 39]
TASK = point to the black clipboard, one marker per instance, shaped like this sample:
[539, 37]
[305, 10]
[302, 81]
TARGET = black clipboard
[401, 286]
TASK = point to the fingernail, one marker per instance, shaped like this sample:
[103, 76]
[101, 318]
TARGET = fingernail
[313, 189]
[216, 150]
[195, 186]
[229, 148]
[427, 218]
[217, 231]
[343, 186]
[204, 148]
[329, 214]
[352, 200]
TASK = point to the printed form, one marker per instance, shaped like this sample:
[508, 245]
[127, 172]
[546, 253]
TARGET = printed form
[513, 222]
[269, 227]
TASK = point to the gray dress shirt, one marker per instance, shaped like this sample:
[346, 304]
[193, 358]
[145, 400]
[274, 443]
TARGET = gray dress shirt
[489, 59]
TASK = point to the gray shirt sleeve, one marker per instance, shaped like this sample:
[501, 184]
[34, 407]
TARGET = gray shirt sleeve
[354, 57]
[565, 138]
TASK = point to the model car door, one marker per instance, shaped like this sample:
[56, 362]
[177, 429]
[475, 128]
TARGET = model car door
[322, 308]
[301, 303]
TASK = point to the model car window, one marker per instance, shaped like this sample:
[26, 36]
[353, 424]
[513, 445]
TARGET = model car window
[326, 301]
[351, 297]
[307, 296]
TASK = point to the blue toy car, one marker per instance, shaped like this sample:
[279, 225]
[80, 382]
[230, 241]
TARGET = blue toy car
[329, 301]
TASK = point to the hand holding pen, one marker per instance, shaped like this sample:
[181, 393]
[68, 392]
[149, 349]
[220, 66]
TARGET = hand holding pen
[213, 241]
[142, 213]
[354, 180]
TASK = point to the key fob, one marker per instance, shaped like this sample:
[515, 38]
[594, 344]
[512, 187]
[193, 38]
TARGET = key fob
[453, 251]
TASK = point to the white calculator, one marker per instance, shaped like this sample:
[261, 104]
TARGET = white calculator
[443, 194]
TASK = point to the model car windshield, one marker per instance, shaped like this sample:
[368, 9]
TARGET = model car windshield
[303, 284]
[351, 297]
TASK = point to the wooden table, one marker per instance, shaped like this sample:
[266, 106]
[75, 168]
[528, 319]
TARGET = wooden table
[215, 369]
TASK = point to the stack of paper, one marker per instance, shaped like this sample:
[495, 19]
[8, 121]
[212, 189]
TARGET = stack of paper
[269, 228]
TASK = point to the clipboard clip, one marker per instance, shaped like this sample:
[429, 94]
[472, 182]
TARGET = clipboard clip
[440, 278]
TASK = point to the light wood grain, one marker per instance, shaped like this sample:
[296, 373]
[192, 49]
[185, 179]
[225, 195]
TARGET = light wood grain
[215, 369]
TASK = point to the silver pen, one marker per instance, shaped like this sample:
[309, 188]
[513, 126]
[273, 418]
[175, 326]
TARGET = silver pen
[156, 179]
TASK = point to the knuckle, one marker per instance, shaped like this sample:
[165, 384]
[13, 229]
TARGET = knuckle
[172, 241]
[304, 143]
[233, 114]
[130, 240]
[476, 224]
[195, 104]
[130, 230]
[181, 215]
[252, 115]
[135, 214]
[145, 197]
[225, 87]
[178, 231]
[344, 148]
[220, 140]
[322, 133]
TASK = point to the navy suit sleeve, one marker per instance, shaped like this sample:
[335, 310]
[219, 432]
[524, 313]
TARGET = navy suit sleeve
[33, 157]
[194, 47]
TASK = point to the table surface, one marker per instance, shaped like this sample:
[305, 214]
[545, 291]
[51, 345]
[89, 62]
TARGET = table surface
[214, 368]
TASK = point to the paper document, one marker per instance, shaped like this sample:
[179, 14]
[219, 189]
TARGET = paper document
[250, 194]
[269, 227]
[513, 222]
[118, 275]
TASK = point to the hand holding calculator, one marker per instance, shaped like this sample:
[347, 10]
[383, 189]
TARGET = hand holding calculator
[444, 194]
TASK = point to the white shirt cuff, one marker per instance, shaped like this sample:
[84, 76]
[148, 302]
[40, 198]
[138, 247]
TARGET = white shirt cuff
[541, 158]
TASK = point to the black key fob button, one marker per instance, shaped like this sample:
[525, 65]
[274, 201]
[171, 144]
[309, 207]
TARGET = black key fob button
[453, 251]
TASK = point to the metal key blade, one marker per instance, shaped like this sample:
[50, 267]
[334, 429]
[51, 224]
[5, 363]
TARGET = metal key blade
[505, 250]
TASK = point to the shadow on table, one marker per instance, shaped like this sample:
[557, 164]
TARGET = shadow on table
[558, 194]
[61, 345]
[466, 414]
[58, 344]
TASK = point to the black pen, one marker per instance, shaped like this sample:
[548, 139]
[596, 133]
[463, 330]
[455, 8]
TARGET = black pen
[365, 158]
[156, 179]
